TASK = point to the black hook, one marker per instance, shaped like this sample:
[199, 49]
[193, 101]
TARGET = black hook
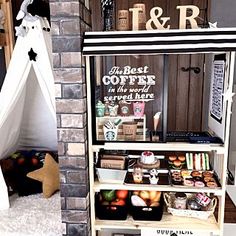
[196, 70]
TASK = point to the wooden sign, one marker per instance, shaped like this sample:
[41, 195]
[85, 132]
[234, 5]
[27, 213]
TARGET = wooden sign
[158, 21]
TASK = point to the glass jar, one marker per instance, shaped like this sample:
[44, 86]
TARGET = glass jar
[180, 201]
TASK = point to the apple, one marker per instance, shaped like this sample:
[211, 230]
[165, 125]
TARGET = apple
[122, 194]
[118, 202]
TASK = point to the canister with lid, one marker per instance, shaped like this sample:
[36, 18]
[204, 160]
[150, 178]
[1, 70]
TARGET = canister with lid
[180, 200]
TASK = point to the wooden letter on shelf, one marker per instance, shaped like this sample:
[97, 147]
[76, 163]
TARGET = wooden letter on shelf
[183, 18]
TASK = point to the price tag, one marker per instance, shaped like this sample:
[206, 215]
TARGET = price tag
[169, 232]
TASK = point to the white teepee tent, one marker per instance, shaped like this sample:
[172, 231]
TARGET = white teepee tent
[27, 100]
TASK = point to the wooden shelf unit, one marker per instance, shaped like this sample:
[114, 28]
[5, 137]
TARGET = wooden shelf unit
[212, 225]
[163, 188]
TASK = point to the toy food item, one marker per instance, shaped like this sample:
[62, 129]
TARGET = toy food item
[155, 204]
[137, 201]
[118, 202]
[177, 164]
[172, 158]
[188, 182]
[122, 194]
[182, 158]
[177, 180]
[180, 200]
[125, 108]
[209, 179]
[175, 174]
[199, 184]
[156, 119]
[211, 184]
[202, 199]
[148, 158]
[207, 174]
[138, 108]
[189, 161]
[108, 195]
[138, 174]
[193, 205]
[149, 198]
[100, 109]
[185, 173]
[196, 174]
[197, 161]
[144, 195]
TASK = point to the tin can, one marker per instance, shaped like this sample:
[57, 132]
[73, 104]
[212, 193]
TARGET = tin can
[202, 199]
[180, 201]
[123, 20]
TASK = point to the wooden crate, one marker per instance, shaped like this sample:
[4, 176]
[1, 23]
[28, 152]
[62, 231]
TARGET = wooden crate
[141, 127]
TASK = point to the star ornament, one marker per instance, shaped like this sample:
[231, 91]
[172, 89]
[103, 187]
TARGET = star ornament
[48, 175]
[32, 55]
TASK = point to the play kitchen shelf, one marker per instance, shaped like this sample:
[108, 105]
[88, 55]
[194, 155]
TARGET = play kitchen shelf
[107, 86]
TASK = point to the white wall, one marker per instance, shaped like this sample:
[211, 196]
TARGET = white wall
[224, 12]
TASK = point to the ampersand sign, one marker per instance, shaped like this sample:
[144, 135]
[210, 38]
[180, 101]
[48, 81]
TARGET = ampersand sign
[155, 14]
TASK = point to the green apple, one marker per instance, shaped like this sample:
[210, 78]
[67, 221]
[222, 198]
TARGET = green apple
[108, 195]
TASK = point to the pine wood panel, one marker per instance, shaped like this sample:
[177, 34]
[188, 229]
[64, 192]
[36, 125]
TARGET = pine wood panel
[2, 39]
[195, 94]
[182, 94]
[8, 26]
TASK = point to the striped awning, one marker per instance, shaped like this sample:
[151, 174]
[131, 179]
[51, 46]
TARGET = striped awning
[159, 41]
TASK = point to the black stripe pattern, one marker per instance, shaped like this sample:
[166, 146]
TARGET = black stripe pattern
[159, 42]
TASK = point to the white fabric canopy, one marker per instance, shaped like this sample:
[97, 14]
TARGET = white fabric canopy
[27, 99]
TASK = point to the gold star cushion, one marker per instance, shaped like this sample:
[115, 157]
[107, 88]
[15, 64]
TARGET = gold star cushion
[48, 175]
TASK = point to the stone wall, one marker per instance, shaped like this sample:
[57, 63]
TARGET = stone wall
[69, 19]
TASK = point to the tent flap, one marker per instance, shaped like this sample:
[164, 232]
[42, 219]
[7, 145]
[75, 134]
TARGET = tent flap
[27, 99]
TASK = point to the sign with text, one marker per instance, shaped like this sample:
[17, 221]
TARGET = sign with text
[217, 90]
[167, 232]
[129, 84]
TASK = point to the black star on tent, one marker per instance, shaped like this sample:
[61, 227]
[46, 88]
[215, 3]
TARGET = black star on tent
[32, 55]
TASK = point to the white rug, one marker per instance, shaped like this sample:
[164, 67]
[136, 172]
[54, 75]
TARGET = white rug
[32, 216]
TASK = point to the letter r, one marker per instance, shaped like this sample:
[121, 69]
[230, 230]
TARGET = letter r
[183, 18]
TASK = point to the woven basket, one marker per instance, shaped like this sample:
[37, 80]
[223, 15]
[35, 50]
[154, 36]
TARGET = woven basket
[203, 215]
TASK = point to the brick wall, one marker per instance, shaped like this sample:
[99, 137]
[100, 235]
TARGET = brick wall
[69, 19]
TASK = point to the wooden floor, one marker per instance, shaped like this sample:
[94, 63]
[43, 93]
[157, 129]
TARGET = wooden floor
[230, 211]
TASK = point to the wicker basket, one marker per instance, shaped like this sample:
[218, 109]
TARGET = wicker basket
[203, 215]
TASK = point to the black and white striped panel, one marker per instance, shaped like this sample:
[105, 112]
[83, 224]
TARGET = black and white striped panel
[162, 41]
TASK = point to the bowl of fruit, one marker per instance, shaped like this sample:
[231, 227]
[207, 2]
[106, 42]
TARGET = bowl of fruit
[112, 204]
[146, 205]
